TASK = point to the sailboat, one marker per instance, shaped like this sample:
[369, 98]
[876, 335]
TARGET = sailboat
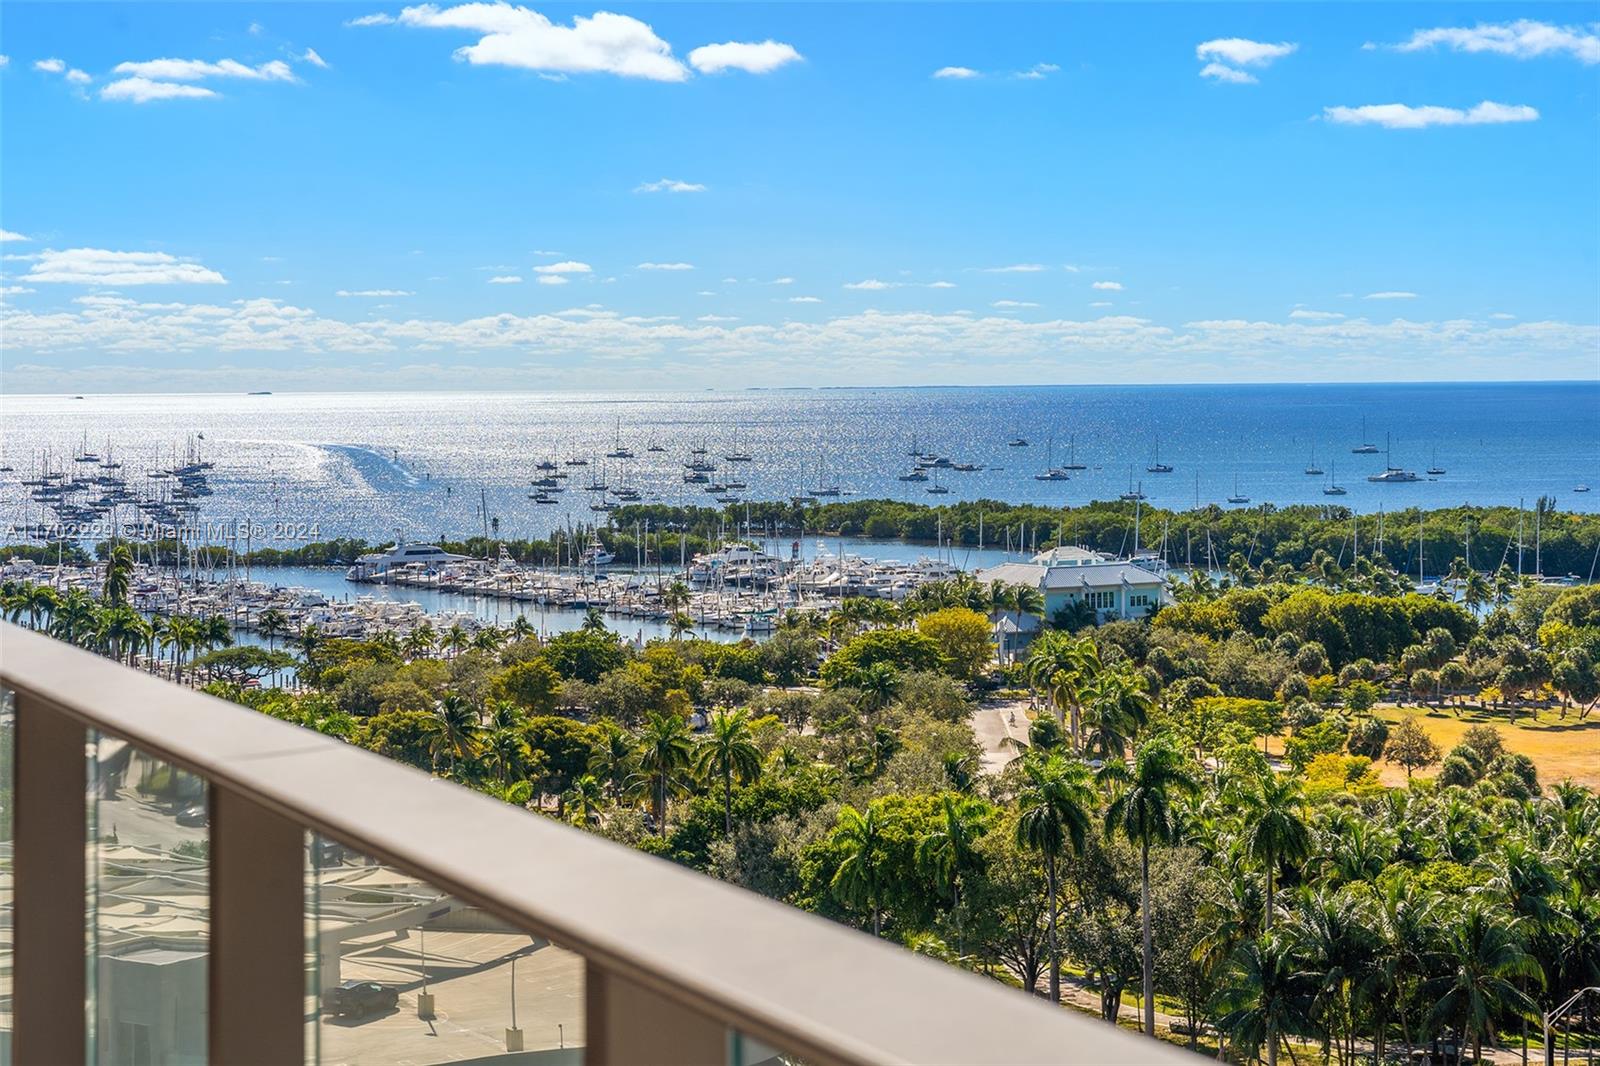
[1051, 473]
[1156, 465]
[619, 452]
[1133, 493]
[1019, 441]
[1434, 470]
[1332, 488]
[738, 455]
[1366, 447]
[1237, 497]
[1392, 475]
[1072, 455]
[937, 489]
[1312, 469]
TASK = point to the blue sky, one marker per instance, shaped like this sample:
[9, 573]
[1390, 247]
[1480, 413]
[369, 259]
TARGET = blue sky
[321, 195]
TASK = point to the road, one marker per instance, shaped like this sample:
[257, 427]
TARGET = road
[992, 726]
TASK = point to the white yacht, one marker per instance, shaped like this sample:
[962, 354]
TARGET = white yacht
[374, 566]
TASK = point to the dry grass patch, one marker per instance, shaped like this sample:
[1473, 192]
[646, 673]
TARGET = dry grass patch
[1558, 748]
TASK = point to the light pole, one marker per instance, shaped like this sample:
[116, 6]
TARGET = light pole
[514, 1034]
[1553, 1016]
[424, 998]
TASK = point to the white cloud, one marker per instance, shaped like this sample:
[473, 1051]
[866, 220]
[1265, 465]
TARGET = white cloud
[514, 36]
[1108, 286]
[1241, 52]
[780, 281]
[1390, 295]
[669, 185]
[1502, 316]
[566, 267]
[374, 292]
[547, 254]
[941, 284]
[98, 266]
[752, 58]
[805, 299]
[1227, 74]
[143, 91]
[505, 279]
[1315, 316]
[1015, 268]
[78, 77]
[5, 61]
[552, 279]
[1225, 55]
[1037, 72]
[1100, 303]
[1522, 39]
[8, 235]
[1013, 303]
[666, 266]
[956, 73]
[199, 70]
[315, 60]
[705, 292]
[376, 19]
[586, 351]
[872, 285]
[14, 290]
[1406, 117]
[50, 66]
[717, 318]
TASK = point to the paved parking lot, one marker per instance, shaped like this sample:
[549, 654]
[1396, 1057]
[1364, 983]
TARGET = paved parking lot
[469, 975]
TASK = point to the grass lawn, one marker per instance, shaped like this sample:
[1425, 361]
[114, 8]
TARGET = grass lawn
[1558, 748]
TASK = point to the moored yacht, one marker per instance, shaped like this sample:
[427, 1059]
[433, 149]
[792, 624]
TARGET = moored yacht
[374, 566]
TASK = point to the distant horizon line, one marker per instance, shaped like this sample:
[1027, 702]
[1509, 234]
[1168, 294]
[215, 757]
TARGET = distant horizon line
[1458, 382]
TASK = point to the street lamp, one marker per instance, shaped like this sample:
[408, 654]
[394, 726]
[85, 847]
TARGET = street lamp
[1551, 1017]
[424, 998]
[514, 1034]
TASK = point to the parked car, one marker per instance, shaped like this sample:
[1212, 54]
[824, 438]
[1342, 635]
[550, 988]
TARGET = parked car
[194, 815]
[356, 998]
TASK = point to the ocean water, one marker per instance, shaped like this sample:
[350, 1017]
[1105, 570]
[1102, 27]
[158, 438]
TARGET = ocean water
[306, 466]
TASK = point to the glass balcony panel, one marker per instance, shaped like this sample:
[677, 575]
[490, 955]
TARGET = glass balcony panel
[149, 908]
[402, 972]
[746, 1050]
[8, 748]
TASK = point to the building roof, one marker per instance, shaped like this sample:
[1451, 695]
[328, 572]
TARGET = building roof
[1070, 555]
[1101, 575]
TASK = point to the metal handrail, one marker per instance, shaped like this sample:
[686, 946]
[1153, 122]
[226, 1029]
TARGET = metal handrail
[791, 979]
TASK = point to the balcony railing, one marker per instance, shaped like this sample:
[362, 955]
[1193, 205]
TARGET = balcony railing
[212, 911]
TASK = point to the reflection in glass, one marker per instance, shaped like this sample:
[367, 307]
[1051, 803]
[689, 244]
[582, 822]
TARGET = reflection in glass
[403, 972]
[149, 908]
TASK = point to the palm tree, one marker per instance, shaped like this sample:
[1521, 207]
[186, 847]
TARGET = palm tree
[1063, 665]
[310, 639]
[272, 624]
[1115, 707]
[679, 623]
[1142, 809]
[454, 731]
[1053, 812]
[594, 620]
[664, 757]
[1485, 956]
[675, 597]
[1029, 599]
[73, 618]
[1265, 999]
[1275, 827]
[521, 628]
[489, 638]
[949, 850]
[863, 874]
[456, 638]
[119, 572]
[878, 684]
[507, 754]
[41, 600]
[611, 760]
[215, 631]
[728, 753]
[420, 642]
[584, 800]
